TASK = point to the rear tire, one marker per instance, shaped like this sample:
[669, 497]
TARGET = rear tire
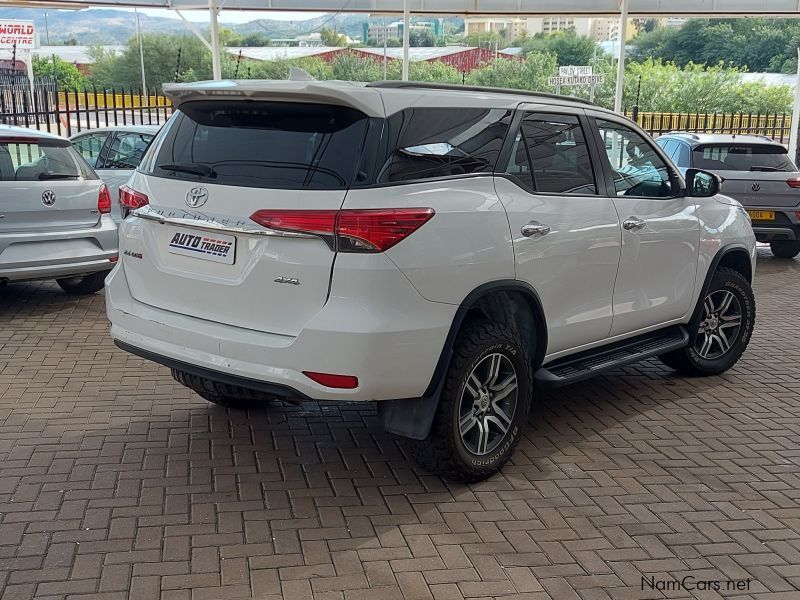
[222, 394]
[471, 439]
[82, 285]
[723, 331]
[785, 249]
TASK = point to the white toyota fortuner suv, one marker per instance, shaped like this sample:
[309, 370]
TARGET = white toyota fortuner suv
[445, 251]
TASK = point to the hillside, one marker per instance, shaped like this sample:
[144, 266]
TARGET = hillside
[90, 27]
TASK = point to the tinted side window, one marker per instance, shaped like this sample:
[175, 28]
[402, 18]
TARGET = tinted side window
[550, 156]
[127, 150]
[425, 143]
[669, 146]
[89, 146]
[681, 157]
[637, 169]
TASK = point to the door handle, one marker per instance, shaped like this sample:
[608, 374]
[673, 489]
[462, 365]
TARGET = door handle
[634, 224]
[535, 229]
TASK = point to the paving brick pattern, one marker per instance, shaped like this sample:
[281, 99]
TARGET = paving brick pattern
[116, 482]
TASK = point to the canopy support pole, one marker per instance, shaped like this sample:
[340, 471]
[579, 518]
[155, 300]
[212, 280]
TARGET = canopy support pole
[406, 28]
[794, 131]
[216, 62]
[623, 34]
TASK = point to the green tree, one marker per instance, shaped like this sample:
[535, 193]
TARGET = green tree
[331, 38]
[666, 87]
[528, 74]
[66, 74]
[350, 67]
[250, 40]
[568, 47]
[421, 38]
[161, 56]
[754, 44]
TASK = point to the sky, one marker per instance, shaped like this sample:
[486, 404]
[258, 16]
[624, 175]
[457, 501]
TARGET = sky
[229, 16]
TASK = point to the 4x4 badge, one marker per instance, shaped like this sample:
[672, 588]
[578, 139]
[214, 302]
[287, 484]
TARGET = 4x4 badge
[196, 196]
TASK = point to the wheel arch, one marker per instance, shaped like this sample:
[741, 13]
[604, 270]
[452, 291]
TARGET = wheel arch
[733, 257]
[509, 301]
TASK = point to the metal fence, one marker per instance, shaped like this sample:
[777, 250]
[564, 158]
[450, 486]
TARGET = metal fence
[69, 112]
[773, 125]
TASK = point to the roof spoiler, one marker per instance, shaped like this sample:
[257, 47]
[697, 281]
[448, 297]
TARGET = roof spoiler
[348, 94]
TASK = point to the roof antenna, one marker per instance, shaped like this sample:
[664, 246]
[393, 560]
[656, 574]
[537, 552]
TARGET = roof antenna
[298, 74]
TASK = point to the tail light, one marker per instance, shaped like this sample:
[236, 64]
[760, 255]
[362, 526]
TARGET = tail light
[349, 230]
[793, 183]
[130, 199]
[104, 200]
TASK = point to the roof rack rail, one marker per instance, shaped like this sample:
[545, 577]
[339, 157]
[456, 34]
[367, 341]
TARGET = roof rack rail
[394, 84]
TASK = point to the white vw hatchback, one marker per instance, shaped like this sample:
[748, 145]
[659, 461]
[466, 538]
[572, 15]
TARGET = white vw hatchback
[445, 251]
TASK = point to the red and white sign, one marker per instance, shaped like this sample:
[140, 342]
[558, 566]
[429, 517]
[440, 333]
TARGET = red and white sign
[19, 33]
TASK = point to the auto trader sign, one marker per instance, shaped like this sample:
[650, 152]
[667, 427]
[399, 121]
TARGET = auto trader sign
[21, 34]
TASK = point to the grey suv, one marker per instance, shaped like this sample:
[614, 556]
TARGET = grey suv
[54, 214]
[757, 172]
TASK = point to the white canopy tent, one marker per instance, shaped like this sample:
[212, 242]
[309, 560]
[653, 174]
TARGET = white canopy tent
[620, 8]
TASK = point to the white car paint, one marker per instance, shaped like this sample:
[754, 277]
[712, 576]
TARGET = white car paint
[384, 317]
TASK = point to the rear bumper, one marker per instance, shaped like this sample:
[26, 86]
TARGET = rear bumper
[391, 345]
[786, 225]
[769, 233]
[56, 254]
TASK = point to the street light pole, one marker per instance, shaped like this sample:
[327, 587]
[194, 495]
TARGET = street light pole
[46, 30]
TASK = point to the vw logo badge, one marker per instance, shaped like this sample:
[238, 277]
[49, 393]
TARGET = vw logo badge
[48, 197]
[196, 196]
[756, 187]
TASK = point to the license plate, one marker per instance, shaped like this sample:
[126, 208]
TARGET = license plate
[203, 245]
[762, 215]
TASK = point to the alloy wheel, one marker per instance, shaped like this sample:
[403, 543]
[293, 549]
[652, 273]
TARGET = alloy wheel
[722, 320]
[488, 404]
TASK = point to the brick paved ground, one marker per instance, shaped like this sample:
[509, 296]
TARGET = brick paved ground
[116, 482]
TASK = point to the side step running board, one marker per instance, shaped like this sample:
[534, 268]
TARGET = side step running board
[587, 364]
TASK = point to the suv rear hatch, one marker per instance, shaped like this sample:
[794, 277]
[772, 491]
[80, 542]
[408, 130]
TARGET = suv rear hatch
[43, 186]
[220, 162]
[754, 174]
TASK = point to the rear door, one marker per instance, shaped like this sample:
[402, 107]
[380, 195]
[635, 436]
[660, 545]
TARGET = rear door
[757, 175]
[566, 234]
[219, 163]
[44, 187]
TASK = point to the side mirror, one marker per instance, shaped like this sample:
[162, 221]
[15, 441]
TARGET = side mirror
[702, 184]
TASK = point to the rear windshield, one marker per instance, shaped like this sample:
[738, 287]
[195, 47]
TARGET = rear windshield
[264, 145]
[730, 157]
[37, 160]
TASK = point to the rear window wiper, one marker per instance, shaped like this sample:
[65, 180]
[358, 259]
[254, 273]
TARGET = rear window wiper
[765, 169]
[191, 168]
[49, 176]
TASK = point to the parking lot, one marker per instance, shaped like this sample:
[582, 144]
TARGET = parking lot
[117, 482]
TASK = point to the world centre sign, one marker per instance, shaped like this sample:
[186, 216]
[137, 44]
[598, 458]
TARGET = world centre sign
[19, 34]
